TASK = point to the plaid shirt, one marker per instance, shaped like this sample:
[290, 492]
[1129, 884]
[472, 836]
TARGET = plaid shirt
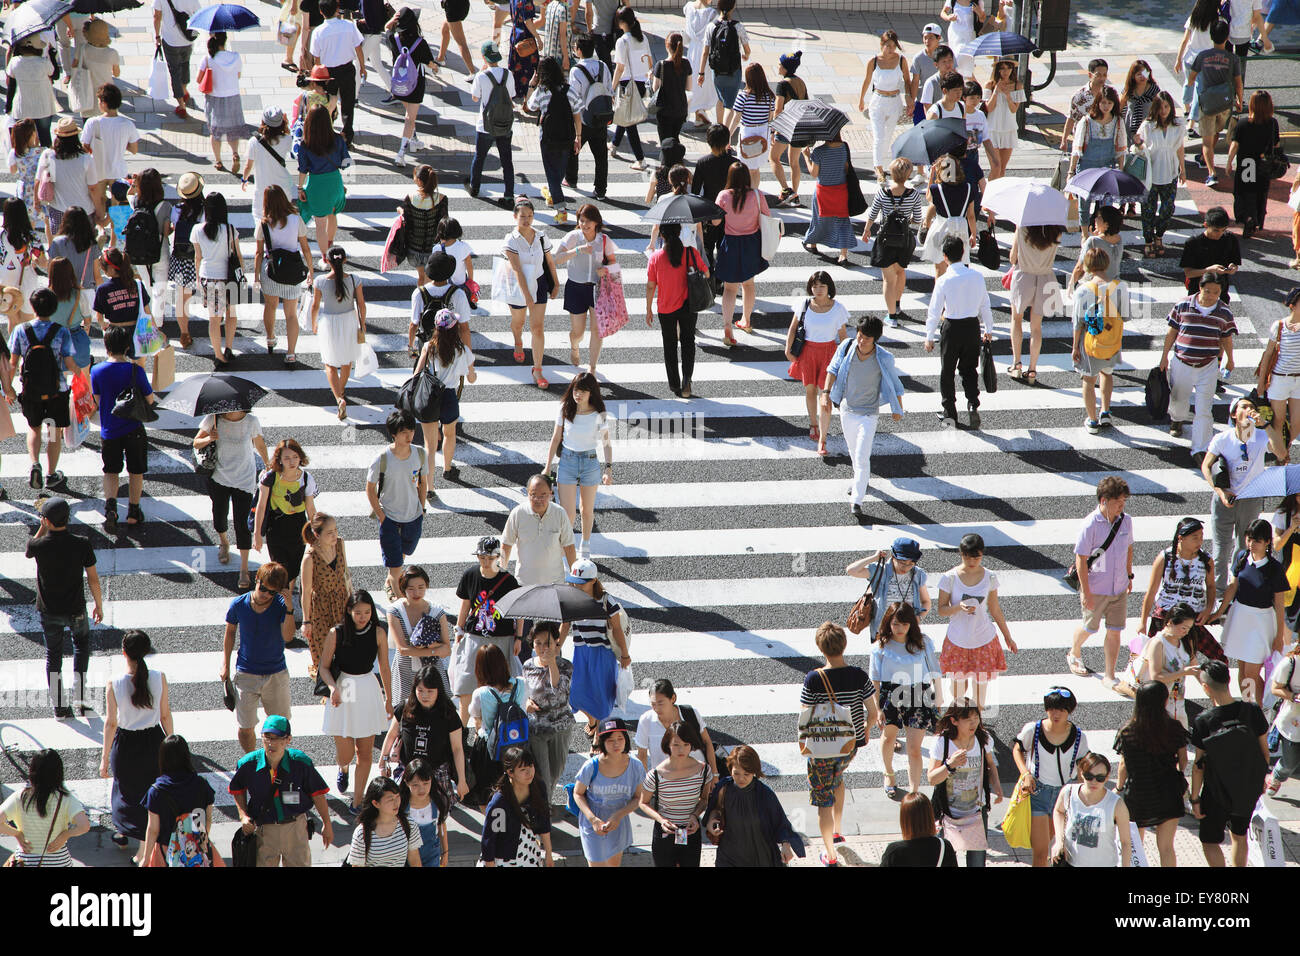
[1200, 334]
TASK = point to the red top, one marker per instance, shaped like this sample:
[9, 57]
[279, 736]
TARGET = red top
[670, 282]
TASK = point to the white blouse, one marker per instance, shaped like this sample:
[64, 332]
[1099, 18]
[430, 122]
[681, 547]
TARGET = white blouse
[636, 57]
[1162, 149]
[581, 434]
[532, 259]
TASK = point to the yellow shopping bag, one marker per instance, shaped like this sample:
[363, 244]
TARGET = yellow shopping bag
[1015, 825]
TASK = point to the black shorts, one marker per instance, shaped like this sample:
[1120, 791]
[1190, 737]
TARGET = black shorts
[36, 410]
[133, 447]
[1210, 827]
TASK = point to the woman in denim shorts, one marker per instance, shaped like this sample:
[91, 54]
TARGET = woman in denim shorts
[1046, 752]
[580, 425]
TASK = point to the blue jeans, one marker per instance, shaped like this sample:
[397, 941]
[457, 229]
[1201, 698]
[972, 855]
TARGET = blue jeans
[1043, 800]
[482, 143]
[578, 468]
[555, 162]
[397, 539]
[53, 626]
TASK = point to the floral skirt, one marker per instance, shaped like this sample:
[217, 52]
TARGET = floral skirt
[987, 659]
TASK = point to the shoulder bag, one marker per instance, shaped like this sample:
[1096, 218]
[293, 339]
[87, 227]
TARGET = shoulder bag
[857, 201]
[863, 611]
[1072, 573]
[699, 289]
[988, 371]
[283, 266]
[234, 263]
[800, 333]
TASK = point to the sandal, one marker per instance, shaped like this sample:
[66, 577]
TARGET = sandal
[729, 340]
[744, 326]
[519, 355]
[891, 786]
[219, 167]
[539, 379]
[1031, 377]
[343, 410]
[1076, 665]
[291, 67]
[223, 553]
[842, 261]
[234, 162]
[186, 341]
[822, 449]
[1017, 372]
[813, 433]
[245, 582]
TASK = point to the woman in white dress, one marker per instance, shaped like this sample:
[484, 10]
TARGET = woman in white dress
[1004, 98]
[962, 31]
[700, 15]
[344, 319]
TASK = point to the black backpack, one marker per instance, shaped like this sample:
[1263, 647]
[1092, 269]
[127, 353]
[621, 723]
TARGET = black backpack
[40, 373]
[432, 305]
[143, 238]
[1236, 766]
[181, 244]
[557, 120]
[724, 48]
[598, 105]
[896, 233]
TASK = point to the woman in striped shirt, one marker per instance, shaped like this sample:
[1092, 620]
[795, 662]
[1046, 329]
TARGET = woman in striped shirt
[753, 114]
[384, 837]
[599, 650]
[888, 255]
[1284, 384]
[674, 795]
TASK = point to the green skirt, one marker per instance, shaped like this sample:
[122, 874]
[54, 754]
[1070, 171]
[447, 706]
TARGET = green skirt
[325, 195]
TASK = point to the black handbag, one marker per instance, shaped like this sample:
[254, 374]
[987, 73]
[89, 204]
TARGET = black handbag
[1275, 162]
[988, 252]
[133, 404]
[1071, 576]
[1157, 394]
[284, 266]
[857, 202]
[243, 848]
[421, 395]
[800, 333]
[699, 289]
[234, 262]
[988, 371]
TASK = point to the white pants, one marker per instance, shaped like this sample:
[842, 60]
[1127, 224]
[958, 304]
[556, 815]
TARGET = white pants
[885, 112]
[859, 433]
[371, 48]
[1184, 382]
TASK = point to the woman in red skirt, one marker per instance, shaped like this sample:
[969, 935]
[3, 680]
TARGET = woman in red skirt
[968, 596]
[823, 320]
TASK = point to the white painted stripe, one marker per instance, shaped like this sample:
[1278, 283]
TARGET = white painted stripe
[1180, 481]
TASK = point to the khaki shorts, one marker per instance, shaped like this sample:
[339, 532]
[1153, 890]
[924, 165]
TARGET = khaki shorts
[287, 841]
[1213, 124]
[1111, 607]
[270, 690]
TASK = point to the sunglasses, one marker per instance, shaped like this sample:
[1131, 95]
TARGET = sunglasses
[1096, 777]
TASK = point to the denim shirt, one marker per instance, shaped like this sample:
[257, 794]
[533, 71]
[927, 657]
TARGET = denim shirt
[881, 589]
[891, 386]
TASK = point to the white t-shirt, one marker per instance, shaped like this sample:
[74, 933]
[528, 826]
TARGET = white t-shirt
[216, 252]
[171, 33]
[977, 129]
[1198, 41]
[583, 266]
[460, 365]
[970, 631]
[824, 326]
[335, 42]
[108, 138]
[650, 734]
[636, 57]
[1054, 766]
[225, 67]
[581, 433]
[268, 172]
[459, 302]
[968, 782]
[71, 180]
[532, 259]
[482, 88]
[1239, 28]
[1242, 471]
[236, 456]
[462, 253]
[287, 235]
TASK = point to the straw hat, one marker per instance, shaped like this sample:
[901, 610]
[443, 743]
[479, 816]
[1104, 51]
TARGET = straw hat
[67, 127]
[191, 184]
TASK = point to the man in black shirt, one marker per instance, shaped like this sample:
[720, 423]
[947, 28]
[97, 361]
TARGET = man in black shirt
[1214, 250]
[710, 179]
[61, 557]
[1228, 775]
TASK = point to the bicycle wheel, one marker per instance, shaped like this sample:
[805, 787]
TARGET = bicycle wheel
[19, 747]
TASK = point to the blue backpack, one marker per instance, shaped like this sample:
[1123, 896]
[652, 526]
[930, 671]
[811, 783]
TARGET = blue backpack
[511, 727]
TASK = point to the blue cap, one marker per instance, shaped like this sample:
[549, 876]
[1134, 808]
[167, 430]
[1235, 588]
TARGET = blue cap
[276, 726]
[906, 549]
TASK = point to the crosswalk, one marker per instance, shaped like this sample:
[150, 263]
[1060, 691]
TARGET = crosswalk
[726, 534]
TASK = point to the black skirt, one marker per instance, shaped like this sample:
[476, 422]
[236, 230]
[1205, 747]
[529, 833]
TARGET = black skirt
[134, 762]
[284, 541]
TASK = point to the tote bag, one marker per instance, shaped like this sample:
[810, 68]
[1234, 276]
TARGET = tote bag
[770, 227]
[611, 307]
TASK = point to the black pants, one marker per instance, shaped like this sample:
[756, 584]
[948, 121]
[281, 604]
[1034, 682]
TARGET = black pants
[713, 236]
[605, 48]
[482, 143]
[633, 136]
[669, 124]
[666, 852]
[1242, 50]
[346, 77]
[593, 137]
[222, 498]
[959, 348]
[678, 326]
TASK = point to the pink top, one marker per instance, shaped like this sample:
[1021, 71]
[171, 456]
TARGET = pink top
[744, 222]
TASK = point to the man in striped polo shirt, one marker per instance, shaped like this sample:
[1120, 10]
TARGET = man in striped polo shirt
[1200, 330]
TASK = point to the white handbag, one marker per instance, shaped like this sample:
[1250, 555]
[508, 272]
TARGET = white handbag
[770, 227]
[81, 92]
[159, 78]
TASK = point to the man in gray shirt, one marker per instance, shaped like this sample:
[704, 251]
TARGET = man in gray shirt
[1215, 74]
[924, 67]
[603, 31]
[396, 485]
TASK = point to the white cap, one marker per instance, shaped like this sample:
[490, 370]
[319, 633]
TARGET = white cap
[932, 28]
[582, 570]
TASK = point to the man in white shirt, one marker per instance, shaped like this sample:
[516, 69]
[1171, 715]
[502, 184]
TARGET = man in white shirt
[961, 302]
[1241, 448]
[592, 136]
[543, 533]
[334, 45]
[486, 80]
[177, 44]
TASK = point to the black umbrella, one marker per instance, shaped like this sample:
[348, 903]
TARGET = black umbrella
[550, 602]
[213, 395]
[929, 139]
[809, 121]
[684, 209]
[104, 6]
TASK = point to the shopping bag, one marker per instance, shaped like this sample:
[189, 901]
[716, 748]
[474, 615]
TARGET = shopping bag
[159, 78]
[148, 340]
[611, 307]
[83, 402]
[367, 362]
[164, 369]
[1264, 838]
[1139, 855]
[76, 432]
[629, 107]
[1015, 825]
[395, 247]
[81, 91]
[623, 689]
[770, 227]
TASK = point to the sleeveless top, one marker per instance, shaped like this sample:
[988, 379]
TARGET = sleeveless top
[357, 655]
[329, 591]
[1090, 830]
[131, 717]
[1183, 582]
[888, 80]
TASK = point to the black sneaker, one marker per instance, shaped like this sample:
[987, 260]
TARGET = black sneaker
[4, 495]
[600, 197]
[63, 713]
[36, 480]
[974, 416]
[451, 474]
[390, 98]
[110, 516]
[56, 479]
[470, 189]
[341, 780]
[948, 419]
[506, 202]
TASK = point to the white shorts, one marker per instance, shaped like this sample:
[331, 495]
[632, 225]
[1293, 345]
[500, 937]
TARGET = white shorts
[1284, 387]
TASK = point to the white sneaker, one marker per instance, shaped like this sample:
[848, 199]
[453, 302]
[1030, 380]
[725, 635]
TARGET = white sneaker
[415, 145]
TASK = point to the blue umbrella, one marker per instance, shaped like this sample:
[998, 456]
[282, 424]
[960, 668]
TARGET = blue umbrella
[1275, 482]
[224, 18]
[1002, 44]
[1284, 13]
[1102, 183]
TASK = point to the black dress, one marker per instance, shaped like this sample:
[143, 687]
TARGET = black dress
[1154, 786]
[1250, 182]
[421, 55]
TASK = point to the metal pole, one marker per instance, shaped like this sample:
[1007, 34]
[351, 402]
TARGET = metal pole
[1026, 10]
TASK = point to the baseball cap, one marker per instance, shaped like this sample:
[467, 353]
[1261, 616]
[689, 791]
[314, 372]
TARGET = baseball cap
[612, 725]
[583, 570]
[440, 267]
[56, 511]
[275, 726]
[932, 29]
[491, 52]
[487, 545]
[906, 549]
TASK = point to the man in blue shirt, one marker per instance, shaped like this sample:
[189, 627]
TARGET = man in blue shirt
[272, 788]
[42, 349]
[123, 439]
[264, 625]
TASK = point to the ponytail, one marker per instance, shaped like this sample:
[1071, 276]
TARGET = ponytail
[427, 181]
[672, 236]
[117, 260]
[314, 528]
[135, 644]
[675, 56]
[216, 43]
[336, 258]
